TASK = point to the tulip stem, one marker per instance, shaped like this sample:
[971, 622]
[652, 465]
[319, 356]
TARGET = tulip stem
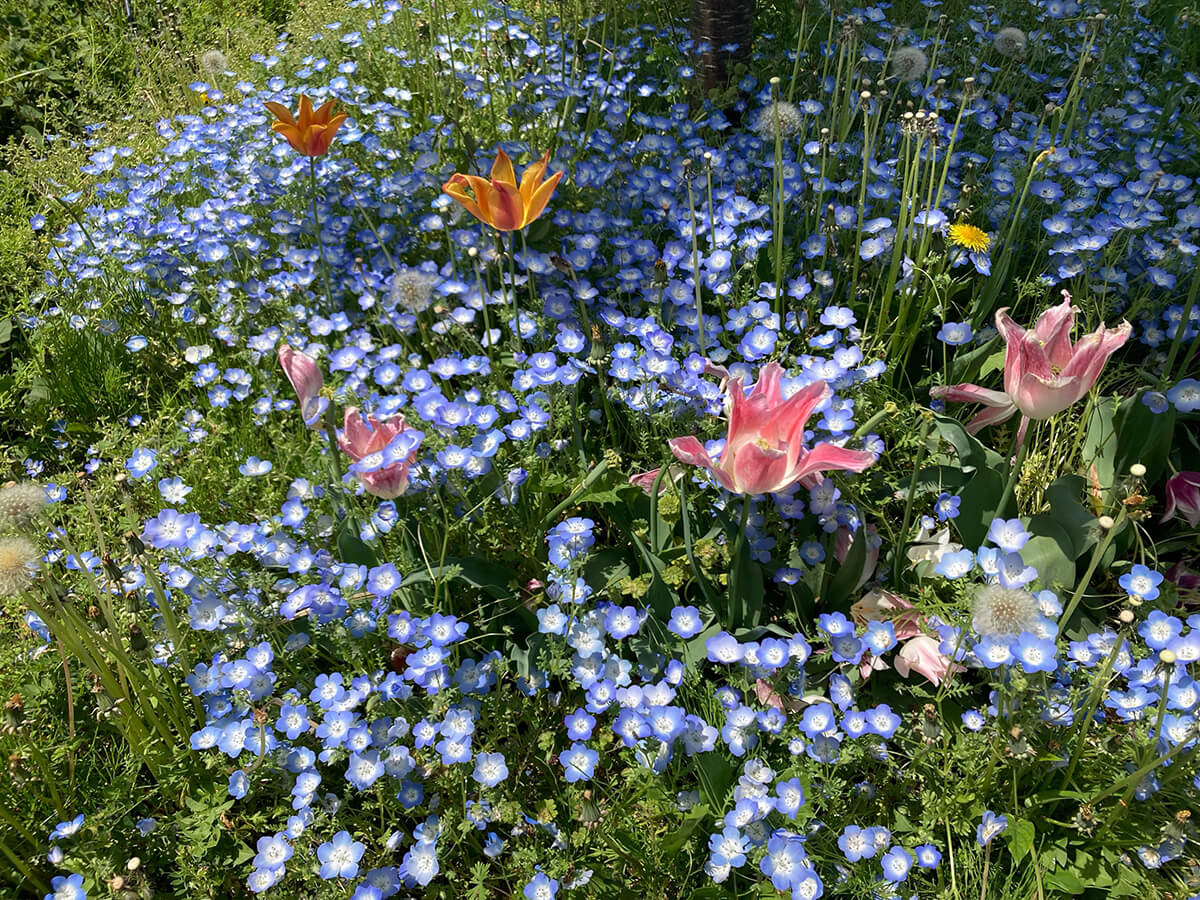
[312, 171]
[737, 607]
[1016, 458]
[1091, 569]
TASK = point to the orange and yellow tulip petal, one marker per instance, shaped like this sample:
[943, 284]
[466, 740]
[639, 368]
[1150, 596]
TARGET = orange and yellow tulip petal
[507, 210]
[309, 132]
[537, 203]
[456, 188]
[532, 177]
[280, 112]
[502, 169]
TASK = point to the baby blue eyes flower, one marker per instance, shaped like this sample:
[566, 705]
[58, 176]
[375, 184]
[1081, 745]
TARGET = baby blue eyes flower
[541, 887]
[928, 856]
[1141, 582]
[578, 762]
[490, 769]
[339, 857]
[67, 887]
[685, 622]
[238, 785]
[896, 864]
[1155, 401]
[955, 565]
[990, 827]
[67, 829]
[253, 466]
[946, 507]
[954, 334]
[1185, 396]
[1008, 534]
[141, 463]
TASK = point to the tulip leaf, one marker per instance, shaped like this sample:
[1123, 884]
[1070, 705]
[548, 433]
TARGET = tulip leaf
[1122, 433]
[837, 595]
[1077, 526]
[970, 451]
[980, 497]
[1047, 551]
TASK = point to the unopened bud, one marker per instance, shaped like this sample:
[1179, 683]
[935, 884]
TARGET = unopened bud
[1105, 522]
[1137, 470]
[1167, 657]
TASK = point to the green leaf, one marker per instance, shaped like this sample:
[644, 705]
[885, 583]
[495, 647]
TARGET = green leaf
[1020, 836]
[1120, 434]
[714, 774]
[352, 549]
[1048, 552]
[837, 596]
[674, 841]
[1077, 523]
[980, 497]
[970, 451]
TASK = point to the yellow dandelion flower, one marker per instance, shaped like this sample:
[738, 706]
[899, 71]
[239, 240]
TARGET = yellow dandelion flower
[969, 237]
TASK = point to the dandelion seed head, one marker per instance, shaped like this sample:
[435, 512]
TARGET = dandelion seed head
[213, 61]
[21, 503]
[780, 118]
[1003, 611]
[18, 564]
[908, 63]
[1010, 42]
[411, 289]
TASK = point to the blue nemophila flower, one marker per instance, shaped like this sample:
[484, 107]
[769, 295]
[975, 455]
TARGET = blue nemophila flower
[955, 333]
[956, 564]
[990, 827]
[817, 719]
[896, 864]
[928, 856]
[339, 857]
[141, 463]
[728, 848]
[67, 829]
[579, 725]
[67, 887]
[946, 506]
[1185, 396]
[145, 826]
[273, 851]
[685, 622]
[1141, 582]
[790, 797]
[173, 490]
[490, 769]
[541, 887]
[1159, 629]
[856, 843]
[578, 762]
[420, 864]
[1008, 534]
[784, 861]
[973, 720]
[724, 648]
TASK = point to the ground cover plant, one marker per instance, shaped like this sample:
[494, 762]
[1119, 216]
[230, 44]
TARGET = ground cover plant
[457, 457]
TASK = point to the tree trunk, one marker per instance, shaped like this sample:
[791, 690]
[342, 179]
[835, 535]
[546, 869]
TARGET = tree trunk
[723, 31]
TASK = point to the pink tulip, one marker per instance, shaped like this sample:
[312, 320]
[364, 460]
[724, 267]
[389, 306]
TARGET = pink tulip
[884, 606]
[764, 450]
[301, 370]
[645, 480]
[1183, 498]
[920, 654]
[1044, 373]
[768, 696]
[383, 452]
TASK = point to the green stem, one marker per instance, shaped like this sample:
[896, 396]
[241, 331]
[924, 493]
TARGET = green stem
[312, 171]
[1091, 569]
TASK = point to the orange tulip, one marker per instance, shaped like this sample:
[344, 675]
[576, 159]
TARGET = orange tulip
[498, 201]
[310, 133]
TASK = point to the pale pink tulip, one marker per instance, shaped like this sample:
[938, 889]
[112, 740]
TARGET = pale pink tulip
[920, 654]
[301, 370]
[884, 606]
[1183, 498]
[383, 452]
[768, 696]
[1044, 373]
[764, 447]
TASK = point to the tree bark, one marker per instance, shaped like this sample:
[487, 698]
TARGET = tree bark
[723, 31]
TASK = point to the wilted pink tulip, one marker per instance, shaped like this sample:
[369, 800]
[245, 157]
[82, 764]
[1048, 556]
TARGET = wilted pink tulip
[382, 452]
[1044, 373]
[764, 448]
[1183, 498]
[301, 370]
[920, 654]
[645, 480]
